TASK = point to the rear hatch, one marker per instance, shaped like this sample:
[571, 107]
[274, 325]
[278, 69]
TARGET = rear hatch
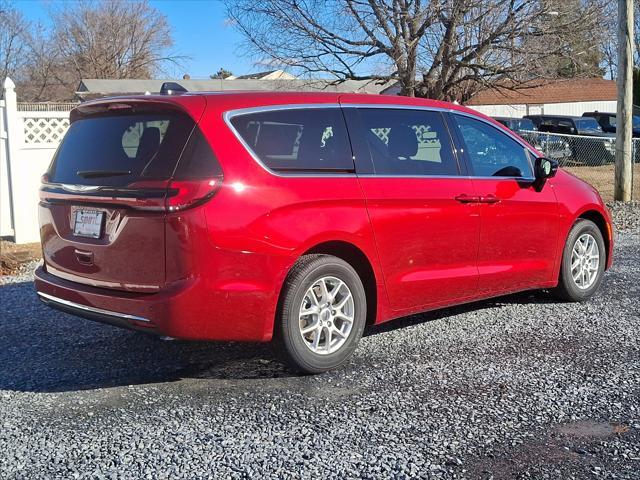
[120, 170]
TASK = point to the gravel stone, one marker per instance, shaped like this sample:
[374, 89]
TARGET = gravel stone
[626, 216]
[516, 387]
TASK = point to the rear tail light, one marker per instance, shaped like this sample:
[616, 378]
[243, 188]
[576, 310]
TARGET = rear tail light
[183, 194]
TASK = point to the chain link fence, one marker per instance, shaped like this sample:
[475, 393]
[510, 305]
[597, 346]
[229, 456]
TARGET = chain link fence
[590, 158]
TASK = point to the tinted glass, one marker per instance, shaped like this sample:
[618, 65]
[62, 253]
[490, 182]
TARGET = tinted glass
[197, 160]
[131, 147]
[588, 124]
[408, 142]
[492, 153]
[298, 139]
[525, 124]
[565, 126]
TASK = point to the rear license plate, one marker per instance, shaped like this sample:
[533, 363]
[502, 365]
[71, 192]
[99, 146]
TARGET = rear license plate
[88, 223]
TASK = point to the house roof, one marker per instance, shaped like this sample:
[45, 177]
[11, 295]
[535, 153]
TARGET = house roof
[93, 88]
[268, 75]
[550, 91]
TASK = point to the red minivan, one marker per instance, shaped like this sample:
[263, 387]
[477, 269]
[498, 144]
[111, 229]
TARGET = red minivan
[299, 218]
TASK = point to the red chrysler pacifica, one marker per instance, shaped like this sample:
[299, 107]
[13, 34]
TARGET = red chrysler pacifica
[302, 217]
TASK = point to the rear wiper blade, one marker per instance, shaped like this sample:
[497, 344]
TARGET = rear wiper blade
[102, 173]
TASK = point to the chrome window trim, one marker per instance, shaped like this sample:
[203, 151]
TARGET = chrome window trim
[230, 114]
[463, 177]
[441, 109]
[85, 308]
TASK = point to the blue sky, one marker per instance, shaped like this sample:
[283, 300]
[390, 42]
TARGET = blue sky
[199, 31]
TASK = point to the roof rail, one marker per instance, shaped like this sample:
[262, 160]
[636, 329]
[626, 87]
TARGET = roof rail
[172, 88]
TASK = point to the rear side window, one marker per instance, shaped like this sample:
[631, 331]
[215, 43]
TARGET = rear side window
[117, 150]
[492, 152]
[408, 142]
[297, 139]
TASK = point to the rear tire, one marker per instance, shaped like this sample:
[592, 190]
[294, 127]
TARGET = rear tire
[583, 263]
[321, 315]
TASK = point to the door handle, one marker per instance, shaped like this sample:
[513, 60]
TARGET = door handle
[489, 199]
[464, 198]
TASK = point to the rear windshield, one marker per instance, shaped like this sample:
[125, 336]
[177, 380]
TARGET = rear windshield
[118, 150]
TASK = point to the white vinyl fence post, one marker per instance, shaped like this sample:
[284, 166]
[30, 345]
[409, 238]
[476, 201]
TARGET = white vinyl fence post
[6, 225]
[13, 140]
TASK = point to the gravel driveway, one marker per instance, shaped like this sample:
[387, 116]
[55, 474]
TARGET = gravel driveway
[517, 387]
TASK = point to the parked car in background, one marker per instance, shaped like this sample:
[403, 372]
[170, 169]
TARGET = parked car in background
[299, 218]
[517, 124]
[553, 147]
[597, 148]
[607, 122]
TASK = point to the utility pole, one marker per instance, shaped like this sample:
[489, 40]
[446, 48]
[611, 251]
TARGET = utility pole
[624, 141]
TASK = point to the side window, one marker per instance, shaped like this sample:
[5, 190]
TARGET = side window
[492, 153]
[546, 125]
[408, 142]
[566, 126]
[297, 139]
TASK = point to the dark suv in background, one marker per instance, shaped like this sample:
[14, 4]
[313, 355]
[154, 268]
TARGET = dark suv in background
[552, 147]
[607, 122]
[517, 124]
[589, 150]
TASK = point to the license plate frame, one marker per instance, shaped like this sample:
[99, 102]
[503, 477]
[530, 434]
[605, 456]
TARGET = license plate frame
[91, 225]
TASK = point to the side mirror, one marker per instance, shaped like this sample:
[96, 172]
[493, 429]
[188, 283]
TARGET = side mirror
[545, 168]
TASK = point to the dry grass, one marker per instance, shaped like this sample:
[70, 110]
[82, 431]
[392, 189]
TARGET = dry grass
[13, 256]
[602, 178]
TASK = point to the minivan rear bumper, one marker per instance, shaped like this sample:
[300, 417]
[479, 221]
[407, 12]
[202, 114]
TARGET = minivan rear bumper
[117, 319]
[177, 310]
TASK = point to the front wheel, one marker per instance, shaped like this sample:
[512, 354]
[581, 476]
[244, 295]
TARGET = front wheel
[583, 262]
[322, 314]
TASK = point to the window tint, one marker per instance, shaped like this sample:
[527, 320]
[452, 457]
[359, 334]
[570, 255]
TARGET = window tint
[588, 124]
[135, 146]
[197, 160]
[492, 153]
[565, 126]
[297, 139]
[408, 142]
[525, 124]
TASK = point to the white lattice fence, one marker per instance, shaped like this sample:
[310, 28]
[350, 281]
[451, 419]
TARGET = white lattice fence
[44, 129]
[31, 134]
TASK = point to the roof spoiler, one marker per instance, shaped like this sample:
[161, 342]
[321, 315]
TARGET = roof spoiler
[172, 88]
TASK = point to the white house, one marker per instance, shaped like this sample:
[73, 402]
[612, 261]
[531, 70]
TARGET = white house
[554, 97]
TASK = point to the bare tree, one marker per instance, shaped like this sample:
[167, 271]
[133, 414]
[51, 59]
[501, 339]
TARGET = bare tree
[446, 49]
[95, 39]
[44, 76]
[113, 39]
[609, 42]
[13, 40]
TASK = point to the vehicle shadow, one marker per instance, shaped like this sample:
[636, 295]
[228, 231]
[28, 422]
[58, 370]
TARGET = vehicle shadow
[43, 350]
[521, 298]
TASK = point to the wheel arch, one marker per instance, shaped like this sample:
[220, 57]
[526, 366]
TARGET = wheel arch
[598, 218]
[355, 257]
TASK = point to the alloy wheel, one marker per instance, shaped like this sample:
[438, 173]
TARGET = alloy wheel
[585, 260]
[326, 315]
